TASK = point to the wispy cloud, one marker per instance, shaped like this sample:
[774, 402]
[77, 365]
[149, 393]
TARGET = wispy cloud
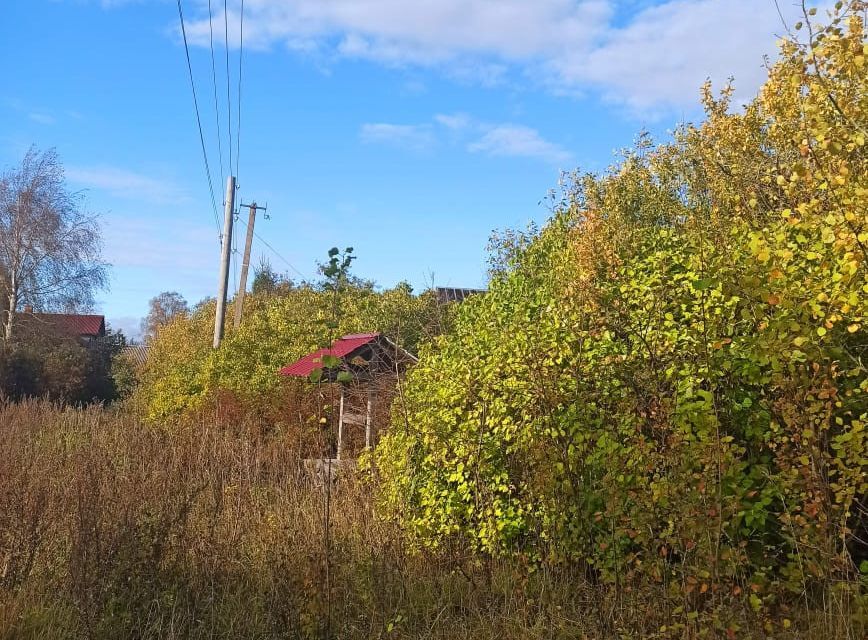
[519, 142]
[159, 243]
[123, 183]
[42, 118]
[408, 136]
[34, 113]
[130, 326]
[502, 139]
[644, 55]
[110, 4]
[454, 121]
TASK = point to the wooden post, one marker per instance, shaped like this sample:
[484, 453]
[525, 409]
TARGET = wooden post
[341, 424]
[368, 419]
[245, 265]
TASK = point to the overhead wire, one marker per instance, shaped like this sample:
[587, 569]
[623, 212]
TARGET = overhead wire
[228, 79]
[214, 84]
[233, 239]
[198, 118]
[238, 128]
[276, 252]
[240, 57]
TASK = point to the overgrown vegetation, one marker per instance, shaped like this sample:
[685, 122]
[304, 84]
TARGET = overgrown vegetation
[41, 362]
[281, 324]
[666, 386]
[113, 528]
[652, 425]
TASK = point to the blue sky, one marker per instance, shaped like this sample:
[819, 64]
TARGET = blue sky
[408, 130]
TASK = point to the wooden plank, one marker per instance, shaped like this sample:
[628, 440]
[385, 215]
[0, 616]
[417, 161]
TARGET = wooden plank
[341, 425]
[354, 418]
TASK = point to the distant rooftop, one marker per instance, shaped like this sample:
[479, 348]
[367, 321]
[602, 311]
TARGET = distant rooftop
[455, 294]
[74, 324]
[135, 354]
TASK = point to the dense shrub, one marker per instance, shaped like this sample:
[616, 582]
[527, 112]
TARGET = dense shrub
[43, 363]
[667, 384]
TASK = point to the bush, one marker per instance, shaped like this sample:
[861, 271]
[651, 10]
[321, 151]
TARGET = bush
[42, 363]
[666, 385]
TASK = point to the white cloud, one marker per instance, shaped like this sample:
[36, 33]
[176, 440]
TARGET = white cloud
[519, 141]
[422, 31]
[640, 54]
[409, 136]
[454, 121]
[504, 139]
[42, 118]
[665, 53]
[126, 184]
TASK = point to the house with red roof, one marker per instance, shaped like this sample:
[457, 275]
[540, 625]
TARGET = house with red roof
[363, 355]
[84, 327]
[365, 366]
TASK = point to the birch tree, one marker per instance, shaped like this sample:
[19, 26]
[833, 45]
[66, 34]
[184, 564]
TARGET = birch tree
[50, 248]
[162, 310]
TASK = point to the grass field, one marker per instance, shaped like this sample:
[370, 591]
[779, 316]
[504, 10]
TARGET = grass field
[113, 529]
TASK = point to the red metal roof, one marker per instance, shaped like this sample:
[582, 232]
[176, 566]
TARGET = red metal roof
[75, 324]
[341, 348]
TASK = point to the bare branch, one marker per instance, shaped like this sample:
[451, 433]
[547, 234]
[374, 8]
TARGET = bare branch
[50, 249]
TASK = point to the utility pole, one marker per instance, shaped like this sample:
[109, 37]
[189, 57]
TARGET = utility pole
[223, 284]
[245, 264]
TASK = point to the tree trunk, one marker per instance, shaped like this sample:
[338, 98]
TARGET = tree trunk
[10, 312]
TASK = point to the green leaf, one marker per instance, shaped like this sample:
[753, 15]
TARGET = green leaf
[344, 376]
[330, 362]
[702, 284]
[315, 375]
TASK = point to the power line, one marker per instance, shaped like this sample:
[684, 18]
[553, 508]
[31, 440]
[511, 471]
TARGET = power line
[238, 128]
[275, 251]
[198, 118]
[228, 96]
[214, 84]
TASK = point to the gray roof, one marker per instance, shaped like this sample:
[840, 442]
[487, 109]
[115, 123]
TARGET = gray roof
[137, 354]
[454, 294]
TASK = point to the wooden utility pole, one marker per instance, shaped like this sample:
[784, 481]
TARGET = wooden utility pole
[245, 263]
[223, 283]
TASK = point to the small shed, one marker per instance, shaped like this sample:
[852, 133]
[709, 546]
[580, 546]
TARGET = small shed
[368, 358]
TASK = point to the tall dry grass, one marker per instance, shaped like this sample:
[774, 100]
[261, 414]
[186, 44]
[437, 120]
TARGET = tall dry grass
[113, 529]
